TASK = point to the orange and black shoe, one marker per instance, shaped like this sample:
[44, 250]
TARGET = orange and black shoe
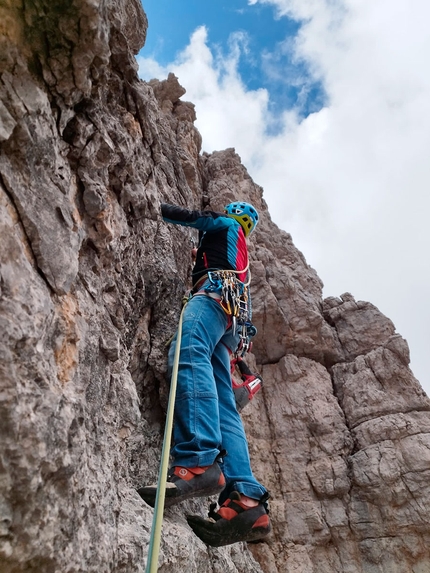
[185, 483]
[233, 522]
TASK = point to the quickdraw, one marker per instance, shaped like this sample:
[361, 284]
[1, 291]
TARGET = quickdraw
[246, 332]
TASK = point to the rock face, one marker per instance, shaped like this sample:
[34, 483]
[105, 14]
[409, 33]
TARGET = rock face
[91, 281]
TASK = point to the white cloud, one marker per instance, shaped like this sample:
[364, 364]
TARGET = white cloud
[226, 112]
[350, 182]
[364, 158]
[150, 68]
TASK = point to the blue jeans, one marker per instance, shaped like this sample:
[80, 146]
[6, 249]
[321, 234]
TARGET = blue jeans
[206, 418]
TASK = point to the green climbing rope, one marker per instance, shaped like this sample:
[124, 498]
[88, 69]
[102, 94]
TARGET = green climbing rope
[157, 520]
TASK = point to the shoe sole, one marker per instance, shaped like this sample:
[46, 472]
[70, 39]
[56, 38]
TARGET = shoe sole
[149, 496]
[206, 531]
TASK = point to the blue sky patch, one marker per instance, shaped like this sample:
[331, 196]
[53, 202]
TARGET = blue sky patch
[266, 44]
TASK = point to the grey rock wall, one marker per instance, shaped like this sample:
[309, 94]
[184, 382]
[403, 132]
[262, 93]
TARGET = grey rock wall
[91, 282]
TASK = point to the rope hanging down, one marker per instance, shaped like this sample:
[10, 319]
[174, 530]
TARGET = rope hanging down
[155, 539]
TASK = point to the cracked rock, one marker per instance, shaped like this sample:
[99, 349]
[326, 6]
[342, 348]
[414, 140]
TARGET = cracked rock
[91, 284]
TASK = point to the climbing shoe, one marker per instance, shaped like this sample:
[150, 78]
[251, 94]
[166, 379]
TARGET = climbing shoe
[234, 521]
[185, 483]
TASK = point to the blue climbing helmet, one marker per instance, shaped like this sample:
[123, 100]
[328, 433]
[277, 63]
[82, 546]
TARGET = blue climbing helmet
[245, 214]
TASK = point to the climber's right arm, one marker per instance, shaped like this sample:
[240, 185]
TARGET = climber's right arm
[202, 220]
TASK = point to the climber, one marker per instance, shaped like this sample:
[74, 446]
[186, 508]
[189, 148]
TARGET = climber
[208, 432]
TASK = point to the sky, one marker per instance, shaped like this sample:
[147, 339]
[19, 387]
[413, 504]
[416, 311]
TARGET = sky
[328, 104]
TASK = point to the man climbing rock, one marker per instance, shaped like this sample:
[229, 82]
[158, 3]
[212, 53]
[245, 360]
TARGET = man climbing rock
[207, 423]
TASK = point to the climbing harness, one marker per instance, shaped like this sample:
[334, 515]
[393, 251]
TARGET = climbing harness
[155, 539]
[234, 298]
[235, 301]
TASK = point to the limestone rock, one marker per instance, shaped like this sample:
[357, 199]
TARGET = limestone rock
[91, 282]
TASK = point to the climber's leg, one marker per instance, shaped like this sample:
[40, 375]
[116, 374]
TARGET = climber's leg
[237, 465]
[196, 436]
